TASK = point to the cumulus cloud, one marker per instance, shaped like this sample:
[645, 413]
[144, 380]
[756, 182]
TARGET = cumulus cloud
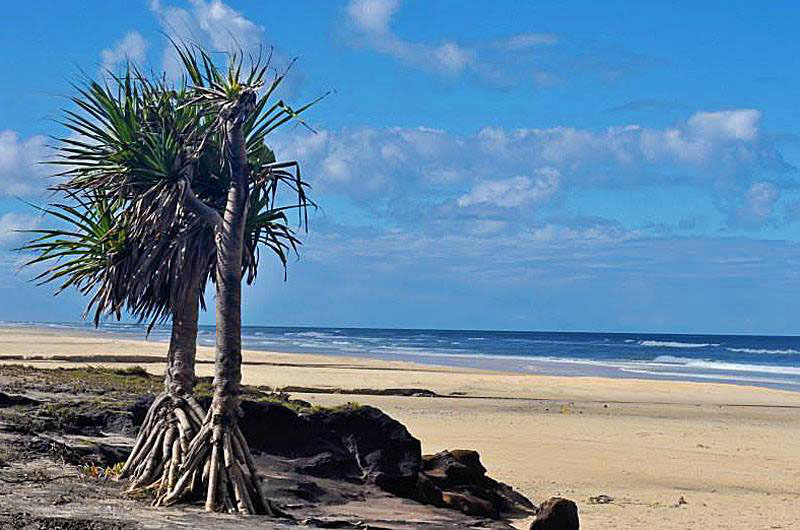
[21, 172]
[131, 47]
[728, 124]
[515, 191]
[12, 223]
[211, 23]
[757, 205]
[721, 152]
[373, 16]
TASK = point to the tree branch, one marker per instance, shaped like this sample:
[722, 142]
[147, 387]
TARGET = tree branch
[208, 213]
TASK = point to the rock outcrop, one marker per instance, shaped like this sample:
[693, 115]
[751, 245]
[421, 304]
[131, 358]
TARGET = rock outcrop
[457, 479]
[556, 513]
[363, 443]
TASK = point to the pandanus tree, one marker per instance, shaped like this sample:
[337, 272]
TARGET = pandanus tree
[193, 191]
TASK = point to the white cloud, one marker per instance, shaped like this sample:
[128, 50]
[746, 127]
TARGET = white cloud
[12, 223]
[227, 29]
[691, 151]
[525, 41]
[21, 172]
[757, 205]
[531, 58]
[731, 124]
[210, 23]
[453, 58]
[372, 15]
[371, 20]
[597, 233]
[131, 47]
[514, 191]
[722, 153]
[704, 137]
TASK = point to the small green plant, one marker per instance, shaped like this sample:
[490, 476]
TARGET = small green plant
[344, 407]
[136, 371]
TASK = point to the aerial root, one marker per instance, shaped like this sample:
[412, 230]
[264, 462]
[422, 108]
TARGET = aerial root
[169, 426]
[218, 462]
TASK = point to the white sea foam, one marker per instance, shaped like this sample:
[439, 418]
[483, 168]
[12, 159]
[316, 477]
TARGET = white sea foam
[764, 351]
[311, 334]
[715, 377]
[675, 344]
[671, 359]
[743, 367]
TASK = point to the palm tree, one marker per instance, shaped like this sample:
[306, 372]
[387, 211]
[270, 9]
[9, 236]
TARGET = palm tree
[218, 456]
[164, 156]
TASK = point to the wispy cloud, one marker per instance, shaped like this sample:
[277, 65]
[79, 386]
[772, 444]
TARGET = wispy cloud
[21, 172]
[526, 41]
[647, 104]
[371, 20]
[12, 223]
[533, 58]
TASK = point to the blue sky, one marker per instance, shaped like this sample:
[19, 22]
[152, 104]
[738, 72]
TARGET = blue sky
[610, 166]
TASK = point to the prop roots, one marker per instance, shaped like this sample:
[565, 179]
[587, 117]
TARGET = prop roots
[169, 426]
[218, 462]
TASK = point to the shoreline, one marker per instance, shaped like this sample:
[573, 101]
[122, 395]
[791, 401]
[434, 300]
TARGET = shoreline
[54, 348]
[645, 443]
[434, 362]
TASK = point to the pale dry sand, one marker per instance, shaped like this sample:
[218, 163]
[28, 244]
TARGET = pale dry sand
[732, 452]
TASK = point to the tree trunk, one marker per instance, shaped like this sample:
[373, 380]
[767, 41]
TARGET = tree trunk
[219, 458]
[179, 378]
[230, 244]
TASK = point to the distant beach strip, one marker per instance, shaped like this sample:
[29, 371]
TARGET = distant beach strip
[765, 361]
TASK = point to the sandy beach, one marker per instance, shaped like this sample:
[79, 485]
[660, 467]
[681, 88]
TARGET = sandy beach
[671, 454]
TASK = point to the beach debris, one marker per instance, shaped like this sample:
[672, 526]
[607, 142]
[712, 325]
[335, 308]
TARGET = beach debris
[681, 502]
[556, 513]
[601, 499]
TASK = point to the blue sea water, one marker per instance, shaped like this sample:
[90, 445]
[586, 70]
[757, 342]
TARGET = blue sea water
[768, 361]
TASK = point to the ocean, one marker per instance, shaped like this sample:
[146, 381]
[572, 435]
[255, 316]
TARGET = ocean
[767, 361]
